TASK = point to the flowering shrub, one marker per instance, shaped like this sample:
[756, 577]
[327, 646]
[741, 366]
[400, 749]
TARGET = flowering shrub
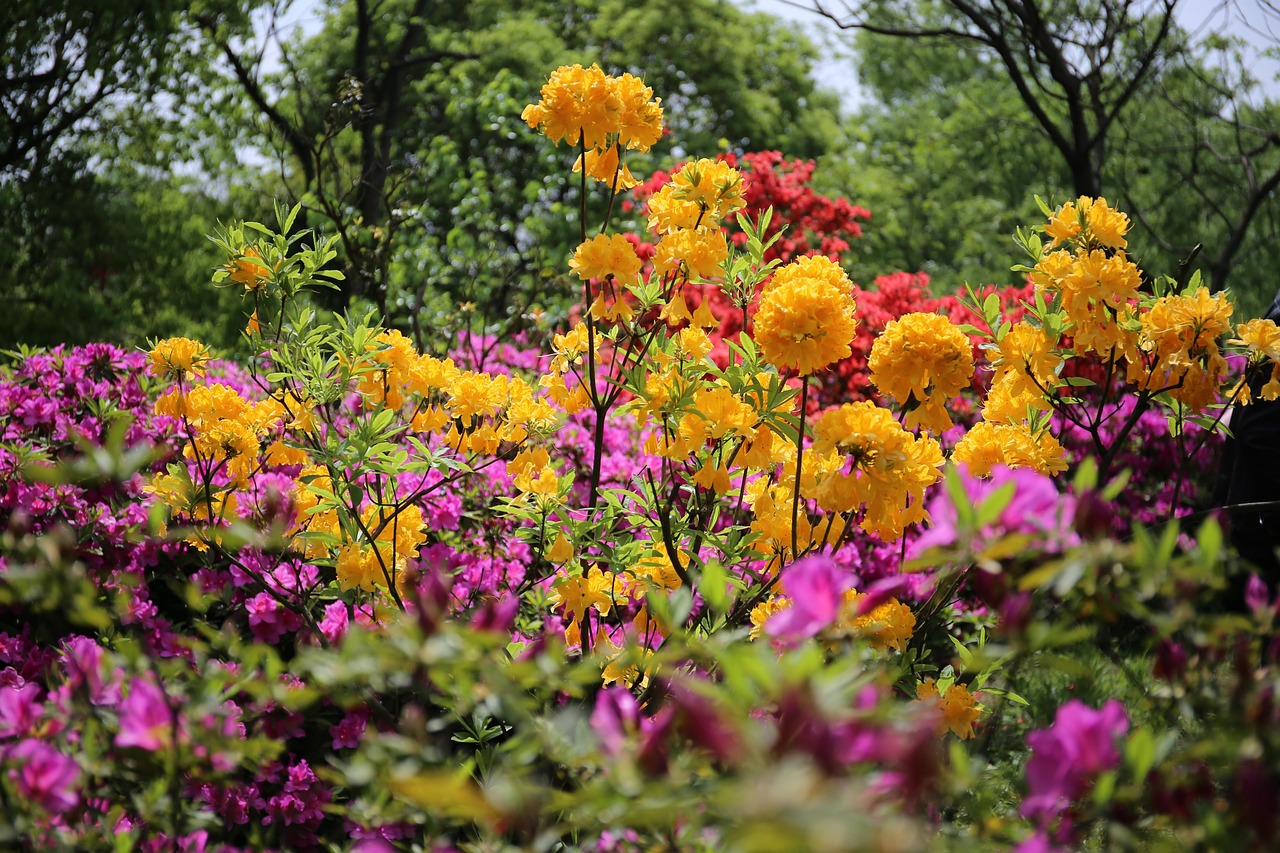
[628, 595]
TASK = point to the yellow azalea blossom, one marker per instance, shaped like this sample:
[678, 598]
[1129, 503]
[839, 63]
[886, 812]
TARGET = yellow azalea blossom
[1026, 353]
[1089, 221]
[883, 468]
[1262, 337]
[922, 361]
[958, 707]
[603, 166]
[1190, 325]
[178, 357]
[247, 271]
[587, 106]
[606, 255]
[619, 311]
[561, 551]
[805, 321]
[669, 214]
[762, 612]
[701, 251]
[1010, 398]
[577, 594]
[713, 185]
[693, 343]
[1015, 445]
[675, 311]
[889, 625]
[569, 347]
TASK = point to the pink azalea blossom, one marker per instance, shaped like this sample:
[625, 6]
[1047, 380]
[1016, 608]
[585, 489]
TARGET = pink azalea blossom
[1069, 755]
[146, 720]
[43, 775]
[816, 587]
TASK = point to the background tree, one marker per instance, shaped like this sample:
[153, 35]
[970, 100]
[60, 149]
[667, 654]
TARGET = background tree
[399, 125]
[972, 111]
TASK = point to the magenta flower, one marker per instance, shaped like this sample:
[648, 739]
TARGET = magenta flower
[146, 720]
[816, 587]
[44, 776]
[19, 709]
[1067, 756]
[1037, 508]
[616, 715]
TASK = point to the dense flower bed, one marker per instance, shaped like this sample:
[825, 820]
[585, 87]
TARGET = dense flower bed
[804, 582]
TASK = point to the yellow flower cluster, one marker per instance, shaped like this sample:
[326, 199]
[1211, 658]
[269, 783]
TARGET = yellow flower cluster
[1262, 338]
[177, 357]
[957, 707]
[225, 428]
[1088, 222]
[247, 271]
[879, 468]
[1179, 345]
[805, 321]
[603, 114]
[603, 256]
[922, 361]
[1099, 293]
[388, 539]
[888, 625]
[1016, 445]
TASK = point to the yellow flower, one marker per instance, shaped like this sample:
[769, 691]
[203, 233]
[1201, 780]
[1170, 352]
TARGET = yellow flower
[889, 625]
[586, 105]
[603, 166]
[178, 357]
[922, 361]
[1190, 325]
[247, 271]
[693, 343]
[603, 256]
[713, 185]
[577, 594]
[959, 708]
[805, 320]
[761, 613]
[1010, 397]
[887, 468]
[1026, 352]
[701, 252]
[1262, 337]
[561, 551]
[675, 311]
[640, 125]
[1090, 222]
[1016, 445]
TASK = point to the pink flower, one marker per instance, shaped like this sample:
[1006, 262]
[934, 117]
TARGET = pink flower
[1037, 507]
[816, 588]
[346, 734]
[146, 720]
[44, 775]
[335, 621]
[19, 709]
[1066, 757]
[616, 715]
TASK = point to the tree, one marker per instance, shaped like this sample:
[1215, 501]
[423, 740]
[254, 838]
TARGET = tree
[948, 154]
[399, 116]
[64, 60]
[1076, 67]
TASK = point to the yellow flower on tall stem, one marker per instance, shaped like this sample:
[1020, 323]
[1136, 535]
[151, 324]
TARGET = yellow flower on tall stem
[922, 361]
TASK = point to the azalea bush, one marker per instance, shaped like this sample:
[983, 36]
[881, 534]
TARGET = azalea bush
[750, 558]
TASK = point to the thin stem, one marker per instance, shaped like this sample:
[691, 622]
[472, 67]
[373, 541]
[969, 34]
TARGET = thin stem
[795, 498]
